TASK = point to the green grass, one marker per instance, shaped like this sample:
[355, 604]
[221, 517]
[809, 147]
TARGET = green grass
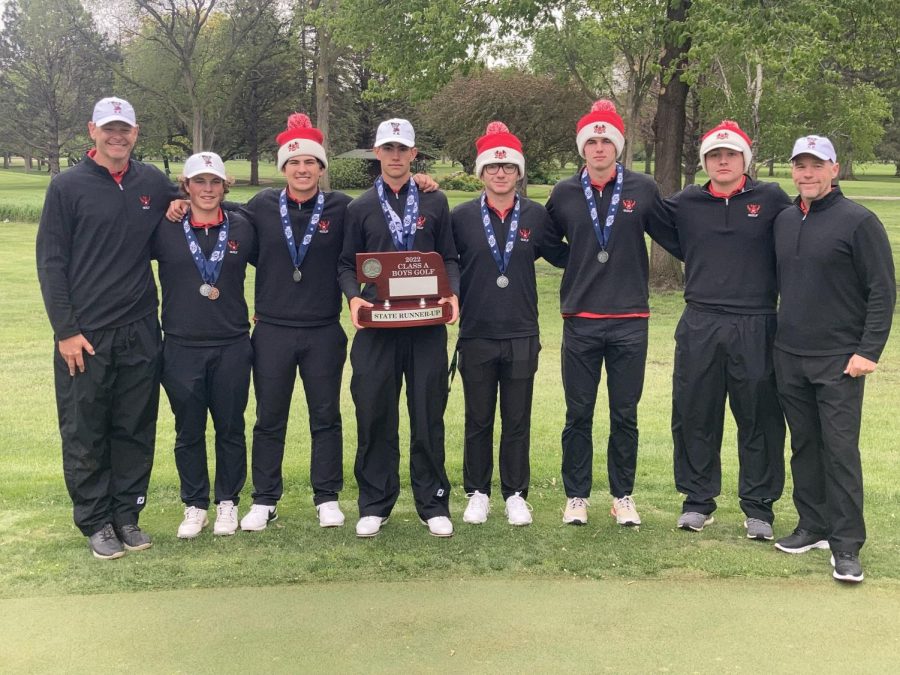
[460, 625]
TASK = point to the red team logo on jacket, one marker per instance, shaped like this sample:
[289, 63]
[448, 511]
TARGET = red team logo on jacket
[524, 234]
[420, 223]
[324, 225]
[145, 202]
[233, 246]
[753, 210]
[628, 205]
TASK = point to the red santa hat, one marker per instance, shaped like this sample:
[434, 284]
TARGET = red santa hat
[601, 122]
[727, 135]
[498, 146]
[300, 138]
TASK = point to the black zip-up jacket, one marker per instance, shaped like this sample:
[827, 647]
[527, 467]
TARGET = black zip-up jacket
[836, 278]
[728, 246]
[366, 231]
[93, 246]
[316, 299]
[188, 317]
[486, 310]
[618, 286]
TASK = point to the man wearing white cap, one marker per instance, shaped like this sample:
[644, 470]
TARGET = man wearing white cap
[603, 212]
[206, 350]
[498, 237]
[382, 357]
[836, 279]
[723, 342]
[93, 261]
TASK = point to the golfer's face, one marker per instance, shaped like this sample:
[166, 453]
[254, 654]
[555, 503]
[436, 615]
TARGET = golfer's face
[600, 154]
[302, 174]
[724, 166]
[396, 159]
[205, 191]
[500, 179]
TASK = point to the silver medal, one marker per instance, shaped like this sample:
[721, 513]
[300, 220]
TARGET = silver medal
[603, 256]
[297, 275]
[503, 281]
[205, 290]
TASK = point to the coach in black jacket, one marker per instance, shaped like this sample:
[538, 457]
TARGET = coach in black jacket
[836, 278]
[93, 261]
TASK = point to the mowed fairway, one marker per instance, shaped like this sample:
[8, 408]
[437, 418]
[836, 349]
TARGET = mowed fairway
[543, 598]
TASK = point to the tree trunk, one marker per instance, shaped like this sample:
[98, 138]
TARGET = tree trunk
[326, 57]
[26, 156]
[846, 171]
[648, 158]
[771, 165]
[6, 160]
[253, 137]
[897, 168]
[668, 127]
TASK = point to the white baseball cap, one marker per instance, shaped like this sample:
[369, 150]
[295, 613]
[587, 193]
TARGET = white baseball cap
[112, 109]
[205, 162]
[817, 146]
[396, 130]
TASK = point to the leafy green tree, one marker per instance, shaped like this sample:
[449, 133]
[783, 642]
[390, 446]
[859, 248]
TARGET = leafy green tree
[50, 76]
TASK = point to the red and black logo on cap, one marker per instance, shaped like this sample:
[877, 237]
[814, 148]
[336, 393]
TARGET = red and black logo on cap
[500, 154]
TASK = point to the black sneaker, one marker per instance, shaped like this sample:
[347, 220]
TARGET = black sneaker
[105, 545]
[133, 538]
[846, 567]
[801, 541]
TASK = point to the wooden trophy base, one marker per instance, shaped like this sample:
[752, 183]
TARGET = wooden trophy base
[405, 314]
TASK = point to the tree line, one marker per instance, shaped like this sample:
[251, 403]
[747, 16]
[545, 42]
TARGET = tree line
[224, 74]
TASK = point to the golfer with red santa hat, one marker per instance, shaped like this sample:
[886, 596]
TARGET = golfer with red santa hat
[724, 340]
[603, 212]
[498, 237]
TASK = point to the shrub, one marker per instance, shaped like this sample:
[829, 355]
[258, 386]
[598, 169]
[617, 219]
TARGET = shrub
[349, 174]
[461, 181]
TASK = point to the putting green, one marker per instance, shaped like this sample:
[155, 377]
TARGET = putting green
[674, 625]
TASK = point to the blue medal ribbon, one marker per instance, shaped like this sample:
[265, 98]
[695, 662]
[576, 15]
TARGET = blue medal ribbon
[298, 253]
[209, 269]
[502, 261]
[604, 232]
[402, 232]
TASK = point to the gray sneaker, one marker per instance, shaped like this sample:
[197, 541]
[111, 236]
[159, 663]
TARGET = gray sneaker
[694, 521]
[758, 529]
[105, 545]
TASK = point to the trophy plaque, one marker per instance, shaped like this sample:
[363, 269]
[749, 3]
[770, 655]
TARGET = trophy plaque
[408, 285]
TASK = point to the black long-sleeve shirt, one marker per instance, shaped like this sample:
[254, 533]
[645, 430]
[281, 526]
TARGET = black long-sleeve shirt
[619, 286]
[187, 316]
[486, 310]
[93, 246]
[316, 299]
[728, 246]
[836, 279]
[366, 231]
